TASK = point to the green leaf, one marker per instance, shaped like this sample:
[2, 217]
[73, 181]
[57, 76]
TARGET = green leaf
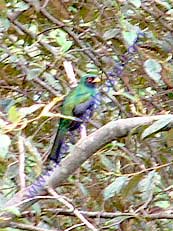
[50, 79]
[108, 163]
[128, 96]
[29, 110]
[156, 126]
[21, 6]
[3, 200]
[129, 188]
[61, 38]
[136, 3]
[166, 4]
[83, 189]
[112, 33]
[13, 114]
[4, 24]
[163, 204]
[33, 73]
[13, 210]
[9, 187]
[170, 95]
[148, 185]
[5, 104]
[36, 208]
[66, 46]
[129, 37]
[153, 68]
[13, 171]
[4, 145]
[118, 220]
[115, 187]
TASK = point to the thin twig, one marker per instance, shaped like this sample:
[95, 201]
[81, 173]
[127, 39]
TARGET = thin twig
[46, 86]
[95, 214]
[45, 3]
[150, 169]
[75, 226]
[70, 206]
[70, 73]
[34, 36]
[21, 162]
[154, 14]
[28, 227]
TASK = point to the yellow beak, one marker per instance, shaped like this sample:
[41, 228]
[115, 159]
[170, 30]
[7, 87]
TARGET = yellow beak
[97, 80]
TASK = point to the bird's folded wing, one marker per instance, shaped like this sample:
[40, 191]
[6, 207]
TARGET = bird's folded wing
[81, 108]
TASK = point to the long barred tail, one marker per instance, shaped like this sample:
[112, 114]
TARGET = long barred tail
[34, 189]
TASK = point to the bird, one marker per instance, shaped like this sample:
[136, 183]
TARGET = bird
[79, 103]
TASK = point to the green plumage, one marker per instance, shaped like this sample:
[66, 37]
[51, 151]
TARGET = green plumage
[77, 102]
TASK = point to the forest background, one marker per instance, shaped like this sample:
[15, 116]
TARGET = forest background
[127, 183]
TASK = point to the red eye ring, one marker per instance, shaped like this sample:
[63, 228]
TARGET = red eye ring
[90, 79]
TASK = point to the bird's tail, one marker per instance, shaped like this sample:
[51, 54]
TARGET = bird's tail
[55, 153]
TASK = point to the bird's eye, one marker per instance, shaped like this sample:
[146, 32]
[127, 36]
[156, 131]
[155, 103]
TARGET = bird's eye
[90, 79]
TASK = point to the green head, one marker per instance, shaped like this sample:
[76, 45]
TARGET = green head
[89, 80]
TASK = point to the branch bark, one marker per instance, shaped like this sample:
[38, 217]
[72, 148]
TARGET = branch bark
[83, 150]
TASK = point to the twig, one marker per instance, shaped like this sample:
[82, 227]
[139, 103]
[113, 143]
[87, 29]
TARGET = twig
[75, 226]
[16, 90]
[45, 3]
[70, 206]
[155, 16]
[145, 205]
[34, 151]
[150, 169]
[46, 86]
[95, 214]
[165, 214]
[70, 73]
[33, 36]
[21, 162]
[28, 227]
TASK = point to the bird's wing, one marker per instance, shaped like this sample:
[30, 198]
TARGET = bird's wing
[81, 108]
[73, 101]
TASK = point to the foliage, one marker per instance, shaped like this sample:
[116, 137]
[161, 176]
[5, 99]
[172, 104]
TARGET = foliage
[132, 176]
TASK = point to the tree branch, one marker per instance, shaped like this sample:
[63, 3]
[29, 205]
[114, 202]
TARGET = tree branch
[83, 150]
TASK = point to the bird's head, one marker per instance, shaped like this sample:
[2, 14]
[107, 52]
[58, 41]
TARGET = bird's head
[90, 80]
